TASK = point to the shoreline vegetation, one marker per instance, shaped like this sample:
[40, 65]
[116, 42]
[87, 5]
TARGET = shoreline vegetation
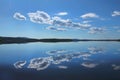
[18, 40]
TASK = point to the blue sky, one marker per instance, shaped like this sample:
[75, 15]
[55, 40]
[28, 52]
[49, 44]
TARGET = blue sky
[60, 18]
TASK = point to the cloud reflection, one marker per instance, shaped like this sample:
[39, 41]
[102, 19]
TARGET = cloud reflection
[89, 65]
[59, 56]
[39, 63]
[19, 64]
[94, 50]
[53, 52]
[62, 67]
[116, 67]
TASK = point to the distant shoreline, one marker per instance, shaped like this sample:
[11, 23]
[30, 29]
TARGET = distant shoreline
[11, 40]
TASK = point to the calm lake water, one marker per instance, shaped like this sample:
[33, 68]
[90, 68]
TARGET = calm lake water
[60, 61]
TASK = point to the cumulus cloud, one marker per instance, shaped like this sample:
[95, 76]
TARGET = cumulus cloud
[94, 30]
[56, 28]
[85, 22]
[19, 64]
[59, 24]
[116, 13]
[116, 67]
[40, 17]
[89, 15]
[19, 16]
[94, 50]
[62, 13]
[62, 67]
[57, 21]
[39, 63]
[80, 26]
[89, 65]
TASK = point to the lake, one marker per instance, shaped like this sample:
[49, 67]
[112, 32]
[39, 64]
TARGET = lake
[60, 61]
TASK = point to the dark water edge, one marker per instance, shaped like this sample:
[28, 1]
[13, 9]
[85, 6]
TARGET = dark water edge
[20, 40]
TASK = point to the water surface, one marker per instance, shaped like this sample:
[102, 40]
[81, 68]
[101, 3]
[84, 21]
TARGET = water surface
[60, 61]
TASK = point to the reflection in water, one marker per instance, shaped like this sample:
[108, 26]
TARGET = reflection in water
[116, 67]
[58, 57]
[62, 67]
[54, 52]
[19, 64]
[39, 63]
[42, 63]
[95, 50]
[89, 65]
[67, 61]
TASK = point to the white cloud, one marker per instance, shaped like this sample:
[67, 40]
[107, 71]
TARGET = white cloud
[55, 28]
[62, 13]
[19, 16]
[116, 13]
[89, 65]
[62, 67]
[94, 30]
[19, 64]
[89, 15]
[57, 21]
[80, 26]
[40, 17]
[59, 24]
[116, 67]
[85, 22]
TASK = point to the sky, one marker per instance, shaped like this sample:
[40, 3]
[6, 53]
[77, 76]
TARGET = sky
[81, 19]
